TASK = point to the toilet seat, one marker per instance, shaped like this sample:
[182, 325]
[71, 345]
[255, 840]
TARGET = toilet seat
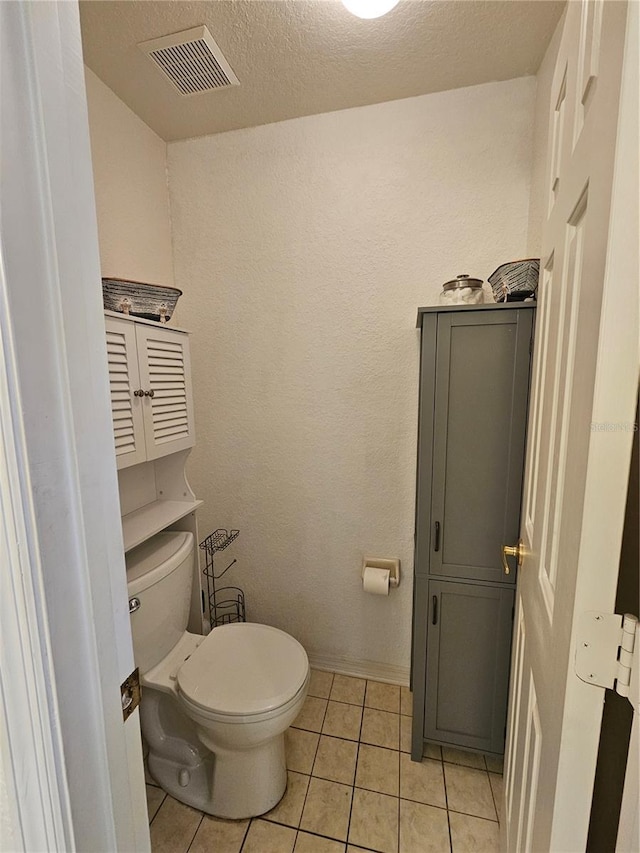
[243, 670]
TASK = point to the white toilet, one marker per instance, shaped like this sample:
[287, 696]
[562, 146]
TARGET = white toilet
[214, 709]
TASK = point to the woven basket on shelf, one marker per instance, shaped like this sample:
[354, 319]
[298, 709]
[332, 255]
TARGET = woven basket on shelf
[517, 279]
[151, 301]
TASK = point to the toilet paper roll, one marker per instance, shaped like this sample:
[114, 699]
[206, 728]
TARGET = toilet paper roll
[376, 581]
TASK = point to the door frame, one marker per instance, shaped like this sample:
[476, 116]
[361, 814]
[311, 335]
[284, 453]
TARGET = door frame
[66, 638]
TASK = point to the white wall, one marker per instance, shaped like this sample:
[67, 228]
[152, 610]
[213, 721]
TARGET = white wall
[132, 200]
[304, 249]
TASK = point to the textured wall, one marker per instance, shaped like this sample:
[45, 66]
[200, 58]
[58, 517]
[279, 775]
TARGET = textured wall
[304, 249]
[132, 200]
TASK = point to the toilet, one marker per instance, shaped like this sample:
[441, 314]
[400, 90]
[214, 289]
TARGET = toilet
[214, 708]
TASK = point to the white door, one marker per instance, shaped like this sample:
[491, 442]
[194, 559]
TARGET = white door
[70, 767]
[584, 383]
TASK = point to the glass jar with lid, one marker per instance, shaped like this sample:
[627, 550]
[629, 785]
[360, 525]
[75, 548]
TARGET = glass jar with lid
[462, 290]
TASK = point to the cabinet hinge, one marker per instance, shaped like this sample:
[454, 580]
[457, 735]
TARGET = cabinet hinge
[130, 694]
[605, 650]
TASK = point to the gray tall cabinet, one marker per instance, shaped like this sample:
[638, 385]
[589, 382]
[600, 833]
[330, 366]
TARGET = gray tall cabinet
[474, 391]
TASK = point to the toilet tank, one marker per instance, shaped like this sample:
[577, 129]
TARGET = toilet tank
[159, 575]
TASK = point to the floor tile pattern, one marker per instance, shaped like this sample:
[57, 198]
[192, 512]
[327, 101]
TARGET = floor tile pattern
[352, 787]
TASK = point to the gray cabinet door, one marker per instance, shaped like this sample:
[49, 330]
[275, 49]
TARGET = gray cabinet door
[468, 654]
[481, 395]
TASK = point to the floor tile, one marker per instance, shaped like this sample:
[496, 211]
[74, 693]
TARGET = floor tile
[311, 716]
[342, 720]
[173, 827]
[432, 750]
[461, 756]
[422, 781]
[423, 829]
[495, 763]
[347, 689]
[300, 748]
[406, 701]
[320, 684]
[326, 810]
[473, 834]
[289, 809]
[405, 734]
[307, 843]
[380, 728]
[155, 796]
[378, 770]
[336, 760]
[216, 834]
[374, 821]
[495, 780]
[265, 837]
[384, 697]
[469, 791]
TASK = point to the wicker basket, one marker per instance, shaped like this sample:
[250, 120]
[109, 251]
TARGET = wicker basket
[151, 301]
[515, 280]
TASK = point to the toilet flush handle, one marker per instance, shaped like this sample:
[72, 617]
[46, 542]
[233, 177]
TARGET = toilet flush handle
[134, 604]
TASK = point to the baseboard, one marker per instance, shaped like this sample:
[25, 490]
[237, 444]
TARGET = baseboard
[372, 670]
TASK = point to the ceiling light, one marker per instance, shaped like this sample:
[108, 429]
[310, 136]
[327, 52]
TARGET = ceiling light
[369, 8]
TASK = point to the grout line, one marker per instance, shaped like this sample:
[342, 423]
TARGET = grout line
[355, 776]
[399, 791]
[493, 797]
[306, 793]
[195, 833]
[159, 807]
[446, 799]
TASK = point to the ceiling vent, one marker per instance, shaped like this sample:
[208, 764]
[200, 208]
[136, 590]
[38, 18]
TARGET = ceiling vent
[191, 60]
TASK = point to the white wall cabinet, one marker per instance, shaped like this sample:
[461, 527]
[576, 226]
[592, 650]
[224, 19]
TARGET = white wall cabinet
[152, 408]
[151, 397]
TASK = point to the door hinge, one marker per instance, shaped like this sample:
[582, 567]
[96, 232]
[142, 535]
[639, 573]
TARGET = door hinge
[605, 650]
[130, 694]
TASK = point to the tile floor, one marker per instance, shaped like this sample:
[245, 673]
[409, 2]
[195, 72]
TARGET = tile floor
[353, 787]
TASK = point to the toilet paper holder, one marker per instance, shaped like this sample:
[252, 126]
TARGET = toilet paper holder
[392, 564]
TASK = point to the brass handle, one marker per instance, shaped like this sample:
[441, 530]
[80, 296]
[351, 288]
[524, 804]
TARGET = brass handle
[516, 551]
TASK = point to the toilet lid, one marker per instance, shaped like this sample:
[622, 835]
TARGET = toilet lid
[244, 668]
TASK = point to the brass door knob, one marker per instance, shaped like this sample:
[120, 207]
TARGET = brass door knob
[516, 551]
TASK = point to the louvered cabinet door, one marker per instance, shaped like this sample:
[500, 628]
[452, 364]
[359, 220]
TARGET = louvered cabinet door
[163, 356]
[124, 379]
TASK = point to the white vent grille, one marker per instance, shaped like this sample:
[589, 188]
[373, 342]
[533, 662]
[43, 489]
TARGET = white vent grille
[191, 60]
[169, 411]
[119, 383]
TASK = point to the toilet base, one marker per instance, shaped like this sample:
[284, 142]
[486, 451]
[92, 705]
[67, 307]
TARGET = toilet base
[250, 782]
[231, 785]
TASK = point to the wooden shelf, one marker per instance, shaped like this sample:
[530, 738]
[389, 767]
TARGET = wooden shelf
[150, 519]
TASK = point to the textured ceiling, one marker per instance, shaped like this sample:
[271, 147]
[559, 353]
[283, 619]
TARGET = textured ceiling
[300, 57]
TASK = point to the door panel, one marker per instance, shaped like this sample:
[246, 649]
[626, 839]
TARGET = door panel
[482, 379]
[467, 664]
[124, 379]
[165, 372]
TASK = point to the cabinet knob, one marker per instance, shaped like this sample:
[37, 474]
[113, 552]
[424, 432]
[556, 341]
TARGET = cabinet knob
[138, 393]
[516, 551]
[151, 393]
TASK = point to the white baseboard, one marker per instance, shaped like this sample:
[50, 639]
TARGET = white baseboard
[372, 670]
